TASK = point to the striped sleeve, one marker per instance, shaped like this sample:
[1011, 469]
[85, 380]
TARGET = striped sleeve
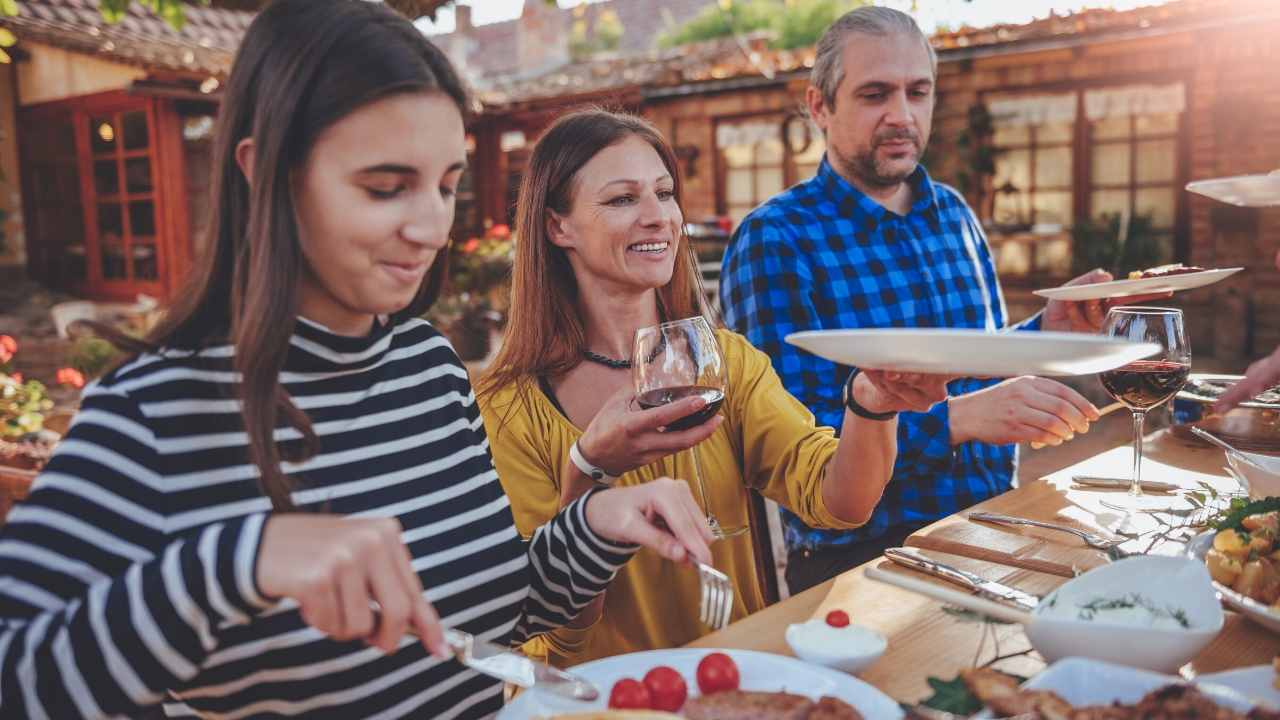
[100, 609]
[569, 566]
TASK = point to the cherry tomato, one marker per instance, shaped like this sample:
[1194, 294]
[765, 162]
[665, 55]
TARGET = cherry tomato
[629, 694]
[838, 618]
[716, 673]
[667, 689]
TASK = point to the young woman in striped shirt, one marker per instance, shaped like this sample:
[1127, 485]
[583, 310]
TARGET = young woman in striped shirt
[294, 444]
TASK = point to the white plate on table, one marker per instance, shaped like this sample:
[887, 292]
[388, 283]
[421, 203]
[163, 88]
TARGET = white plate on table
[1256, 682]
[758, 671]
[1241, 190]
[972, 353]
[1084, 682]
[1254, 610]
[1143, 286]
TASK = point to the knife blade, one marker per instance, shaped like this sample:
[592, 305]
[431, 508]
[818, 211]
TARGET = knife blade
[979, 585]
[1122, 484]
[510, 666]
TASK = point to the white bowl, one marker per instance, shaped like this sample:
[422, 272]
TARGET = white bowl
[1260, 472]
[1057, 630]
[851, 648]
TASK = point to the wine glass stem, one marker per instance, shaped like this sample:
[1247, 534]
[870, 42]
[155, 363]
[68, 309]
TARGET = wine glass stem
[1135, 488]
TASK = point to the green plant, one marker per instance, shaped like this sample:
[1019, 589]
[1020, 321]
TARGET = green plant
[792, 23]
[804, 21]
[1096, 243]
[977, 155]
[92, 356]
[23, 404]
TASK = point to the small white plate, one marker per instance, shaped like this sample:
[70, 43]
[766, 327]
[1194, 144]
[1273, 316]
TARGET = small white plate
[1241, 190]
[758, 671]
[1084, 682]
[851, 649]
[1256, 683]
[1254, 610]
[972, 353]
[1144, 286]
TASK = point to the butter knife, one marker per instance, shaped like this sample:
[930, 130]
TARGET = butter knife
[1122, 484]
[510, 666]
[977, 584]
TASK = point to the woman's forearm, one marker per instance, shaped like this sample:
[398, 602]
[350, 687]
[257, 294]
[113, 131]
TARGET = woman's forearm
[861, 468]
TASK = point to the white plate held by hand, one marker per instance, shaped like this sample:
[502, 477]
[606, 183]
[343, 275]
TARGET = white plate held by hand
[1143, 286]
[972, 353]
[758, 671]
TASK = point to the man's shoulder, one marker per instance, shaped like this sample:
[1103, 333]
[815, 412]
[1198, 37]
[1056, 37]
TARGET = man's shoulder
[796, 204]
[950, 199]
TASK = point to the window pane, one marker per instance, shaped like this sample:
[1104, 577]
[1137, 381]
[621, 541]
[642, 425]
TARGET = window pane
[1158, 203]
[1111, 164]
[111, 240]
[1054, 133]
[737, 212]
[1019, 135]
[1163, 124]
[1014, 258]
[738, 155]
[102, 134]
[1157, 161]
[1052, 207]
[1053, 255]
[738, 187]
[769, 152]
[1109, 202]
[1053, 167]
[144, 260]
[1013, 167]
[135, 130]
[812, 154]
[1012, 209]
[768, 183]
[137, 175]
[1110, 128]
[806, 171]
[142, 218]
[110, 220]
[106, 179]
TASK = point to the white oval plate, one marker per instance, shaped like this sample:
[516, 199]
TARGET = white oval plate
[1241, 190]
[971, 353]
[1254, 610]
[1127, 288]
[1256, 683]
[759, 671]
[1084, 682]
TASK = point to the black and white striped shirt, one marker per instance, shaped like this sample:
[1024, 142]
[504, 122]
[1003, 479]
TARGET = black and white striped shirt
[127, 578]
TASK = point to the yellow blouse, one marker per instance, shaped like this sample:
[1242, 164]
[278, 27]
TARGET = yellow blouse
[768, 441]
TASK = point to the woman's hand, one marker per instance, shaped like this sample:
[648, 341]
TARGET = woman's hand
[334, 567]
[660, 515]
[621, 438]
[891, 391]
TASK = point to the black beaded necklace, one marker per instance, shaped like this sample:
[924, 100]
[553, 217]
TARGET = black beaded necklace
[621, 364]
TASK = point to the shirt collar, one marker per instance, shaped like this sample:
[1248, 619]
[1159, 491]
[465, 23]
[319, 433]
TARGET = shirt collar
[853, 203]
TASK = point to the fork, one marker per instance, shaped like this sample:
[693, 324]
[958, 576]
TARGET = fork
[1091, 539]
[717, 596]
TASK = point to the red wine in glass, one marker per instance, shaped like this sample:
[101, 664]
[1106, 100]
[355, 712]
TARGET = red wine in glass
[662, 396]
[1144, 384]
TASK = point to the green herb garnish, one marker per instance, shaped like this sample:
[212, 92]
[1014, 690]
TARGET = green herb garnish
[1090, 610]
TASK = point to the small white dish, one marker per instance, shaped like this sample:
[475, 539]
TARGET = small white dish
[1083, 682]
[1261, 473]
[851, 648]
[1177, 586]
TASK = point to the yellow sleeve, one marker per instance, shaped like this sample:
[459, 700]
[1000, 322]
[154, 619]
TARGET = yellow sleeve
[784, 454]
[519, 443]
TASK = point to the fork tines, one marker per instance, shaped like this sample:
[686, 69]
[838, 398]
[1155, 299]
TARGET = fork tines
[717, 597]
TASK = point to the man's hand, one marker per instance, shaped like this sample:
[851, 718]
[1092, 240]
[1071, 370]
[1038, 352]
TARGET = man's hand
[1022, 409]
[1087, 315]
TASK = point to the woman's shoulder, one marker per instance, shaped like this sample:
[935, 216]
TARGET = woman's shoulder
[739, 354]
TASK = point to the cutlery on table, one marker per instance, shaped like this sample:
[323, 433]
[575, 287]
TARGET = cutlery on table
[1093, 540]
[989, 589]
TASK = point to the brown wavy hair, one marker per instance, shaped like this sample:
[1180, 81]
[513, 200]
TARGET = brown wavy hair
[545, 335]
[303, 66]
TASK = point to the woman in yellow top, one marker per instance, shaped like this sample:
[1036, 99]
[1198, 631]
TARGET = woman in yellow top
[602, 254]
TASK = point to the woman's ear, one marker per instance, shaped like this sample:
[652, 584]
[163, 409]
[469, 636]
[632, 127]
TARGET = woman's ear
[244, 158]
[558, 230]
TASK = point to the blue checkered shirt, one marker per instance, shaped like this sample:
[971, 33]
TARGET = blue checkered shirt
[822, 255]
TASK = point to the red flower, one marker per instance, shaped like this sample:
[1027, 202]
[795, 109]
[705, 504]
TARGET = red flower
[500, 231]
[71, 376]
[471, 245]
[8, 348]
[17, 377]
[725, 223]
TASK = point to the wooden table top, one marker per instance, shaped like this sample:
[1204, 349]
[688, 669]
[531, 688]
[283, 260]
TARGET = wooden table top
[925, 641]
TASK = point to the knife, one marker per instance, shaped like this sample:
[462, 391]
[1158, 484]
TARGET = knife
[980, 586]
[510, 666]
[1121, 484]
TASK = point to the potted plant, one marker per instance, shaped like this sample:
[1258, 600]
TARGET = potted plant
[478, 292]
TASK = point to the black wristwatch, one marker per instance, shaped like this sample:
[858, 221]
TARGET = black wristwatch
[856, 409]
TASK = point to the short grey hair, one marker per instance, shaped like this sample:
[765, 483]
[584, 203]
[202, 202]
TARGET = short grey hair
[828, 65]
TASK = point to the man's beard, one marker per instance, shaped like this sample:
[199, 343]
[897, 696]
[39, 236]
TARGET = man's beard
[866, 168]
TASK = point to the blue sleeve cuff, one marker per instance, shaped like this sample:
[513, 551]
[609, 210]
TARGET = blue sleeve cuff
[1033, 323]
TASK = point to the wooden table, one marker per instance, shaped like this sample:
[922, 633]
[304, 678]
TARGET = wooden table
[925, 641]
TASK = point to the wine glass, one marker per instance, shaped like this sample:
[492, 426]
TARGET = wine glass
[1145, 384]
[674, 361]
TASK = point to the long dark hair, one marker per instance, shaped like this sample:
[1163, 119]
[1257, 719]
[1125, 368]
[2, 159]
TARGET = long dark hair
[545, 334]
[303, 65]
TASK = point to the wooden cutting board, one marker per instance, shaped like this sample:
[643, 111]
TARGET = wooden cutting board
[1044, 551]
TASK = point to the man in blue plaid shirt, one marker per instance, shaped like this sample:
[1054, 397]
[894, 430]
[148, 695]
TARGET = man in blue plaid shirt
[872, 241]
